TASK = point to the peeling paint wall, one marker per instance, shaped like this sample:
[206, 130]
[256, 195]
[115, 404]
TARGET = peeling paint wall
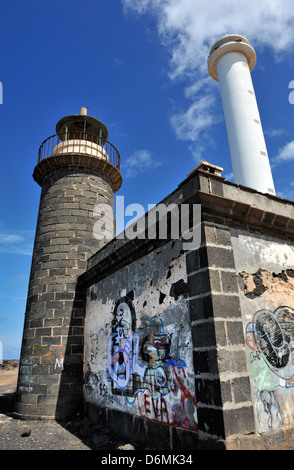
[265, 267]
[138, 343]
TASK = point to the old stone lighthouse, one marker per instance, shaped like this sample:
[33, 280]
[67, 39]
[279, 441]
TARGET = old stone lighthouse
[77, 169]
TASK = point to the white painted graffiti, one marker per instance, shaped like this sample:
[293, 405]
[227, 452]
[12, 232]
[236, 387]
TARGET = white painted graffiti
[274, 336]
[123, 358]
[270, 351]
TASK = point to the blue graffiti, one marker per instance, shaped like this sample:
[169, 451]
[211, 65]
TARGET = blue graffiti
[123, 360]
[179, 363]
[137, 363]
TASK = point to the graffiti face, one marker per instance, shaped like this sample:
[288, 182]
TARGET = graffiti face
[141, 368]
[270, 340]
[120, 363]
[122, 347]
[155, 346]
[274, 337]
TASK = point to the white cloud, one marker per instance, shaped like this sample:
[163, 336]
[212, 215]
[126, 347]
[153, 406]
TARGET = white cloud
[229, 176]
[286, 194]
[197, 118]
[285, 154]
[10, 297]
[192, 124]
[138, 162]
[187, 28]
[197, 87]
[21, 244]
[197, 150]
[275, 132]
[10, 238]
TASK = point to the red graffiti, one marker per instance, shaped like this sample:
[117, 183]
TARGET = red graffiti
[54, 357]
[176, 408]
[155, 409]
[186, 397]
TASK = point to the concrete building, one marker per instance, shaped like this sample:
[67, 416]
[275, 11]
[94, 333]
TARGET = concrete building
[173, 345]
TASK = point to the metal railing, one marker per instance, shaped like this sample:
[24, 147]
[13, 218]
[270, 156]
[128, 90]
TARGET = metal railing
[79, 143]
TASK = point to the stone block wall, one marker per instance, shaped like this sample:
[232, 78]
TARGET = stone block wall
[50, 373]
[221, 376]
[251, 294]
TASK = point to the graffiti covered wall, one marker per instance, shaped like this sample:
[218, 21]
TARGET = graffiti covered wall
[37, 361]
[138, 354]
[266, 277]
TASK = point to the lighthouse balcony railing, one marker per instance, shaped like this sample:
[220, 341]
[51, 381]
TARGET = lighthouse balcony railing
[79, 143]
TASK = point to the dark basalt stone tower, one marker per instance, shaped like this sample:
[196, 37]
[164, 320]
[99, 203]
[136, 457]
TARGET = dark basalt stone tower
[77, 169]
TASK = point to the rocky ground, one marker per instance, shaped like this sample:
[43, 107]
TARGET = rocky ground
[75, 433]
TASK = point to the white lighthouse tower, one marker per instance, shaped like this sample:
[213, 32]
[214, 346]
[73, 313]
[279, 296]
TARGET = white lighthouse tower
[230, 62]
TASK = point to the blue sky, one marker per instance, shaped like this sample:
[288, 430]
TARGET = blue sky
[140, 67]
